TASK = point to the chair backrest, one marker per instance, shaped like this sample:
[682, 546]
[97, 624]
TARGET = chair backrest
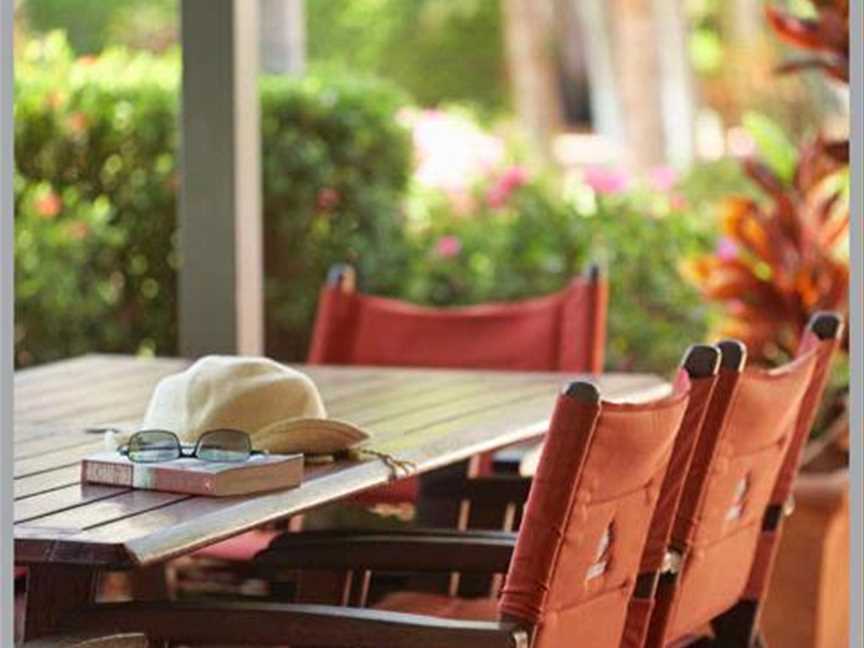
[702, 364]
[586, 520]
[741, 472]
[565, 331]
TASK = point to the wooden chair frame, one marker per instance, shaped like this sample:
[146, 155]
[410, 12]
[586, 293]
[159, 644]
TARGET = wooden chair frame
[91, 640]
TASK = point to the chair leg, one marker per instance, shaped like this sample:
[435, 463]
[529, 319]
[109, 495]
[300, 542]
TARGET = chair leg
[736, 628]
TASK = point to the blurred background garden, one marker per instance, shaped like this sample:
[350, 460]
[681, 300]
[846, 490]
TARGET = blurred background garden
[454, 152]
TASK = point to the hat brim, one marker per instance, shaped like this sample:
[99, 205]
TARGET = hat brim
[309, 436]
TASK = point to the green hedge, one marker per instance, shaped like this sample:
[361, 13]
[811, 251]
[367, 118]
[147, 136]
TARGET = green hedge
[96, 191]
[538, 241]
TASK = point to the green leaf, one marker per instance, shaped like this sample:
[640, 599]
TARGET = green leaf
[775, 148]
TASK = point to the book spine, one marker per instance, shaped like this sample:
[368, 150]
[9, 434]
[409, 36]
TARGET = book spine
[102, 472]
[172, 480]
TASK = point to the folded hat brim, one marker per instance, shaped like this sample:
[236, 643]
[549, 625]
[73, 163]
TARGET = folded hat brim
[309, 436]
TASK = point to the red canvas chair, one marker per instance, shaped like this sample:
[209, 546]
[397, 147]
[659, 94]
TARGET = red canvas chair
[565, 331]
[728, 520]
[570, 570]
[575, 559]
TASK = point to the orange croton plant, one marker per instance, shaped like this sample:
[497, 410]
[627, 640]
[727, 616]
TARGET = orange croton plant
[786, 256]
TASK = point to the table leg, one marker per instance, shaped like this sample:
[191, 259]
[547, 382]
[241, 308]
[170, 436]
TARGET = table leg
[53, 591]
[150, 583]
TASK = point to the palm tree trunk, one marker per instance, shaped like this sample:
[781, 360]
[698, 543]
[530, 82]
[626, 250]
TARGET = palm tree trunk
[532, 62]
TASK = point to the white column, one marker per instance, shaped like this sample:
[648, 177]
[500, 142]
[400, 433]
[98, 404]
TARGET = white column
[221, 274]
[7, 301]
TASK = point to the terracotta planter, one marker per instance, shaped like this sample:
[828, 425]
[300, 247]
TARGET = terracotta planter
[808, 603]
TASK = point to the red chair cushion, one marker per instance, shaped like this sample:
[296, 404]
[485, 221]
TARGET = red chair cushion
[448, 607]
[240, 548]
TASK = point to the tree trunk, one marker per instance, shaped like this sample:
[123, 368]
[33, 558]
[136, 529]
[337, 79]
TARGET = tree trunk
[637, 66]
[641, 91]
[533, 68]
[283, 37]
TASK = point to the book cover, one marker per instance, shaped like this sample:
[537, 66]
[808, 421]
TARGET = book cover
[189, 475]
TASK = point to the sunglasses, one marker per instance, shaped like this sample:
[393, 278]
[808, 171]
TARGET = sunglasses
[222, 445]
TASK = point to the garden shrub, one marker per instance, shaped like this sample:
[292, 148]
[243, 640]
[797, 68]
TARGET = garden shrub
[96, 188]
[96, 196]
[335, 167]
[533, 241]
[95, 146]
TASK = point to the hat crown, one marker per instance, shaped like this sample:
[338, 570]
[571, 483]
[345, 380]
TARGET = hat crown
[240, 392]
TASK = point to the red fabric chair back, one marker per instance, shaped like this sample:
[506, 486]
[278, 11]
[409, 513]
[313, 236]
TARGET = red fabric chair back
[822, 338]
[587, 516]
[565, 331]
[702, 364]
[742, 468]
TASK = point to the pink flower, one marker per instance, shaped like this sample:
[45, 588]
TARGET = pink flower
[726, 249]
[740, 143]
[678, 202]
[327, 198]
[497, 197]
[514, 177]
[49, 205]
[606, 181]
[78, 230]
[448, 246]
[662, 178]
[500, 192]
[77, 122]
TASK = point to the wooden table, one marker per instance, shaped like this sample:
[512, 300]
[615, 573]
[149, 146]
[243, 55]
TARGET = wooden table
[66, 531]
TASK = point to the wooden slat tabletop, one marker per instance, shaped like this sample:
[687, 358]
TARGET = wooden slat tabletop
[429, 417]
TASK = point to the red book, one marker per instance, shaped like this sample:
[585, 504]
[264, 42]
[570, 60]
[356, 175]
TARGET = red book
[189, 475]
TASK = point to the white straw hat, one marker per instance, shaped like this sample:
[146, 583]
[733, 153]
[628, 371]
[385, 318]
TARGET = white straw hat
[280, 408]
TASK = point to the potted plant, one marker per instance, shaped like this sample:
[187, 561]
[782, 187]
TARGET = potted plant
[781, 259]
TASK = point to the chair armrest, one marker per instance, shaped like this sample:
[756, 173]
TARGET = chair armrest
[273, 624]
[492, 490]
[90, 640]
[422, 550]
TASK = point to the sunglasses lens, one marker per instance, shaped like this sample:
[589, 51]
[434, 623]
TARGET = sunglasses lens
[151, 446]
[224, 445]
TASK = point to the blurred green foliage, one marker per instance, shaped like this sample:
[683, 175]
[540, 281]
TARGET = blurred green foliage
[96, 190]
[544, 236]
[95, 145]
[96, 196]
[335, 167]
[438, 50]
[774, 146]
[93, 25]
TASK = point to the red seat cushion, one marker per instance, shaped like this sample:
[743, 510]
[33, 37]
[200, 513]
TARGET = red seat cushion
[239, 548]
[20, 572]
[449, 607]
